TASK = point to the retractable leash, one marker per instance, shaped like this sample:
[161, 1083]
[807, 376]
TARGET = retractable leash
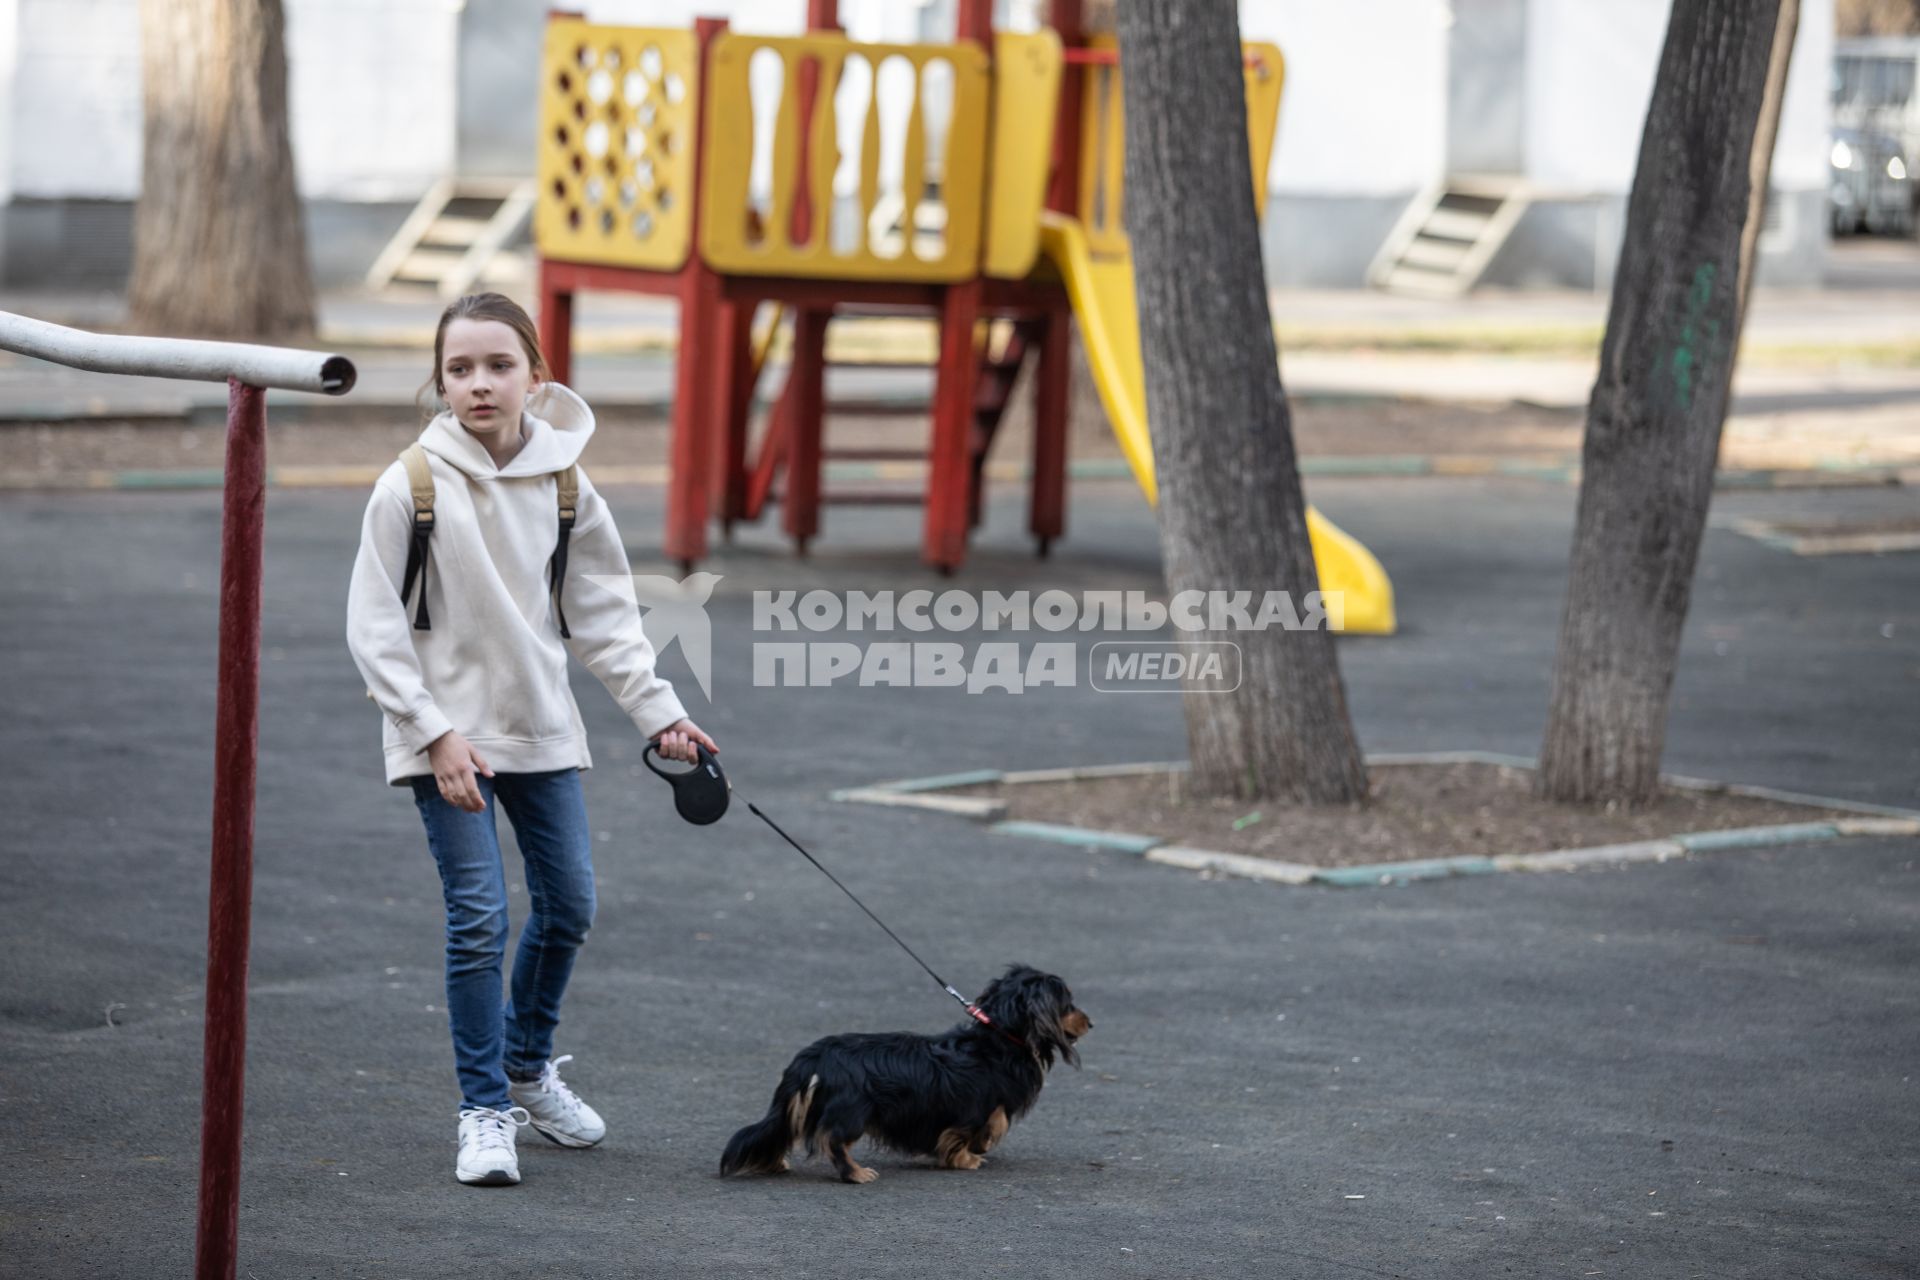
[701, 793]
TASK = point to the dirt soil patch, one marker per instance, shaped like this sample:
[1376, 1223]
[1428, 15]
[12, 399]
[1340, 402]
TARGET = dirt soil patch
[376, 437]
[1418, 811]
[52, 453]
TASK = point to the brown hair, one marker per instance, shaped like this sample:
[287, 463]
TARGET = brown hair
[483, 306]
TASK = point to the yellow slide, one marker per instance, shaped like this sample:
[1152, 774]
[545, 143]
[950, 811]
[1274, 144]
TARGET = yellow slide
[1101, 289]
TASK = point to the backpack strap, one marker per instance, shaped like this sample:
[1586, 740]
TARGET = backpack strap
[420, 480]
[568, 494]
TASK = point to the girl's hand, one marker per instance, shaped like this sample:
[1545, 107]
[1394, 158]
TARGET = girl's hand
[676, 742]
[455, 763]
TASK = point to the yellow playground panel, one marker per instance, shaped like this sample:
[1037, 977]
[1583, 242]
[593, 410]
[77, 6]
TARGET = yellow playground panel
[616, 144]
[1026, 91]
[904, 222]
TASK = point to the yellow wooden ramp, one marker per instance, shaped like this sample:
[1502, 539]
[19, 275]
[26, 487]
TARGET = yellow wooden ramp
[1101, 290]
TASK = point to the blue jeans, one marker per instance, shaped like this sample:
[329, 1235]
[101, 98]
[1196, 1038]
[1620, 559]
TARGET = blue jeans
[492, 1041]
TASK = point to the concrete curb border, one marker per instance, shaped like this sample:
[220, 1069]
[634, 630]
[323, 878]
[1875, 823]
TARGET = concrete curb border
[1836, 543]
[923, 793]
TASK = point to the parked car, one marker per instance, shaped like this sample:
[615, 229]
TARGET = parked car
[1871, 189]
[1874, 88]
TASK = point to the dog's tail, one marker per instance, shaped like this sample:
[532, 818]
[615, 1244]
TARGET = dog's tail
[763, 1147]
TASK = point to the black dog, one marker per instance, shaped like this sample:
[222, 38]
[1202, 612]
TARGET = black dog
[951, 1097]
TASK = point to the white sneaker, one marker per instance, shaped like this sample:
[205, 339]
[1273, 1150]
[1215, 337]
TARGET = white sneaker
[487, 1158]
[556, 1112]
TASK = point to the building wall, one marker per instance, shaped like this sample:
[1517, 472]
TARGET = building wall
[1363, 128]
[497, 84]
[372, 103]
[1487, 78]
[71, 118]
[9, 67]
[1574, 243]
[1580, 92]
[1590, 76]
[389, 94]
[1363, 110]
[1590, 72]
[370, 84]
[75, 100]
[372, 113]
[762, 17]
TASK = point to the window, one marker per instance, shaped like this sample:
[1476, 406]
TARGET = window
[1900, 83]
[1846, 80]
[1888, 82]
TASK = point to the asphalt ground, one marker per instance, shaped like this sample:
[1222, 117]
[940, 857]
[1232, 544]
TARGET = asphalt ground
[1701, 1068]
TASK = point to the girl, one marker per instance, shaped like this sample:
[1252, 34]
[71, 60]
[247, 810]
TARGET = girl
[473, 683]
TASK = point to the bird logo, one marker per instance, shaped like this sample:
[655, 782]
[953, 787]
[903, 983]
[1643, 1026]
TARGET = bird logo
[675, 611]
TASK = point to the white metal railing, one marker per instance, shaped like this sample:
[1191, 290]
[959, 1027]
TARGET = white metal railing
[257, 366]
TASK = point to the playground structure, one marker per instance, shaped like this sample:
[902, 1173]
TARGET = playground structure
[976, 182]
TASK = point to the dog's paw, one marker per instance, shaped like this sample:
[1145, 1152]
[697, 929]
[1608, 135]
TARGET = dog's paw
[965, 1160]
[862, 1175]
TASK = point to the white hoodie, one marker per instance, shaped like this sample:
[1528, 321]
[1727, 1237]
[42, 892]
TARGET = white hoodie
[494, 665]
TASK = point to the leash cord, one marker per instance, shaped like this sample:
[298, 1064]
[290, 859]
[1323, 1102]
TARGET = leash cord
[965, 1003]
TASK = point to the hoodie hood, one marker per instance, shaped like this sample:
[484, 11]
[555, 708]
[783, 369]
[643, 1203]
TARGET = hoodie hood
[557, 423]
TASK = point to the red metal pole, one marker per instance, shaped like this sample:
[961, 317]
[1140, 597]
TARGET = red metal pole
[1047, 503]
[556, 324]
[803, 409]
[806, 410]
[974, 21]
[230, 900]
[732, 392]
[945, 522]
[693, 408]
[773, 454]
[1063, 185]
[943, 537]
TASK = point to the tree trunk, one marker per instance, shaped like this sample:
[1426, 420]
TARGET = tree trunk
[1232, 518]
[1666, 371]
[219, 246]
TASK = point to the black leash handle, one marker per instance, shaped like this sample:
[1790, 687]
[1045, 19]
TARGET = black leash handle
[945, 986]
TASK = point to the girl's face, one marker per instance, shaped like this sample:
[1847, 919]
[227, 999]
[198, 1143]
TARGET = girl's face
[486, 378]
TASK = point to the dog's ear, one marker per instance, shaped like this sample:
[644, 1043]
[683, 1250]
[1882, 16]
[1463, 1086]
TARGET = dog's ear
[1048, 1004]
[1005, 1000]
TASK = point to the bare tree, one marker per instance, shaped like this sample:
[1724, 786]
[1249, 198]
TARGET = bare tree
[1232, 517]
[219, 246]
[1666, 372]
